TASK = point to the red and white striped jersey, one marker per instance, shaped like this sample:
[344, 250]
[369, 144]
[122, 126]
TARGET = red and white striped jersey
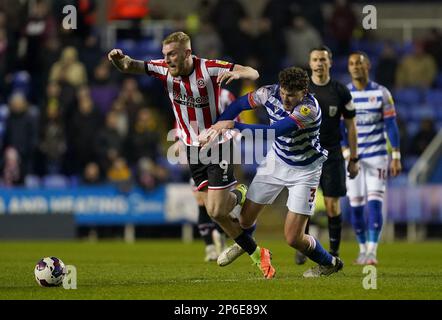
[195, 98]
[225, 98]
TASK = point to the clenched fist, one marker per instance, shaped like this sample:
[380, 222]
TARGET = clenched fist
[115, 54]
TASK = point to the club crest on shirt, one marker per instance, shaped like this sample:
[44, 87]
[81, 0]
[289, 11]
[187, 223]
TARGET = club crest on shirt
[305, 111]
[200, 83]
[332, 110]
[372, 99]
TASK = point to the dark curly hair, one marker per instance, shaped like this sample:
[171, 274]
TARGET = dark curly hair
[293, 79]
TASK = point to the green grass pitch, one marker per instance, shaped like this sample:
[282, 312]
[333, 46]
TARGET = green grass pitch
[170, 269]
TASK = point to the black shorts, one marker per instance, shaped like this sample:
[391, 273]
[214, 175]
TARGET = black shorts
[212, 168]
[333, 174]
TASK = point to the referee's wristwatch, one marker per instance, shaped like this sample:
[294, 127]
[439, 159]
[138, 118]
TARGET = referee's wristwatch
[355, 159]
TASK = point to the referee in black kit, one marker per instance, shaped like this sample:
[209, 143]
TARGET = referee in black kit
[335, 101]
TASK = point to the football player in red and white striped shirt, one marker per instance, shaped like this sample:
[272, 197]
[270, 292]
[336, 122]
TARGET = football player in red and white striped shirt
[193, 85]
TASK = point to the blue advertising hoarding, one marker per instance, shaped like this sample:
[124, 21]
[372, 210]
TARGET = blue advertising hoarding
[90, 205]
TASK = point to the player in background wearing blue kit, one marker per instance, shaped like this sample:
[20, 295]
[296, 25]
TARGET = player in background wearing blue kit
[375, 117]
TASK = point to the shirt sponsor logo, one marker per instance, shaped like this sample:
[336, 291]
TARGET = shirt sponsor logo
[183, 99]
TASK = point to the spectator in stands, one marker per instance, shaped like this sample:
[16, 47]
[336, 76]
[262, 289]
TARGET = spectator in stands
[50, 54]
[206, 42]
[68, 69]
[103, 90]
[433, 46]
[54, 98]
[385, 72]
[11, 173]
[84, 125]
[90, 54]
[109, 142]
[132, 98]
[342, 23]
[300, 38]
[311, 10]
[276, 16]
[423, 137]
[119, 173]
[39, 27]
[144, 139]
[52, 139]
[21, 132]
[122, 118]
[417, 69]
[92, 175]
[149, 175]
[3, 56]
[197, 18]
[13, 16]
[229, 17]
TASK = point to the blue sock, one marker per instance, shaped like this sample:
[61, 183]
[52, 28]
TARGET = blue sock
[358, 222]
[374, 220]
[319, 255]
[250, 230]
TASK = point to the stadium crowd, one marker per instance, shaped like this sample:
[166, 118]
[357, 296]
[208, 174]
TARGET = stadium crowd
[68, 118]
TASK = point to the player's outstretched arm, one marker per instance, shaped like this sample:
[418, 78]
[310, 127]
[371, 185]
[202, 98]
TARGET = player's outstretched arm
[124, 63]
[238, 72]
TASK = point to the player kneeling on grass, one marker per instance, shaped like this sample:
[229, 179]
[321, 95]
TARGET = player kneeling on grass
[295, 161]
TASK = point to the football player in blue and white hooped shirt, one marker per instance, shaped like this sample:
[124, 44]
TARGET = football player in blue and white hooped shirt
[375, 116]
[297, 157]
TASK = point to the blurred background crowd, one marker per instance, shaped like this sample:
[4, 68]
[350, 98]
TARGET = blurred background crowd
[68, 118]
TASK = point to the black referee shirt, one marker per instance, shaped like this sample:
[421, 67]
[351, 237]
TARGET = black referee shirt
[333, 99]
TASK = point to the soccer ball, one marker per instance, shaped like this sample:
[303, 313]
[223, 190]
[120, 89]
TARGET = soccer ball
[50, 272]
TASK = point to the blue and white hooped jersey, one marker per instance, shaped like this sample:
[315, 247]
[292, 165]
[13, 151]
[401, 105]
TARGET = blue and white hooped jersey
[373, 105]
[301, 147]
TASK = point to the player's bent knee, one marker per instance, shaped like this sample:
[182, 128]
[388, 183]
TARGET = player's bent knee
[295, 242]
[357, 201]
[216, 212]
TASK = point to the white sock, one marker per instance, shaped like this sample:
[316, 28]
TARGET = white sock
[210, 247]
[372, 247]
[362, 248]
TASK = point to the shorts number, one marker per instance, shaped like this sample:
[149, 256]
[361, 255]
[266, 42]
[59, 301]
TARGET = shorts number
[312, 195]
[382, 174]
[224, 165]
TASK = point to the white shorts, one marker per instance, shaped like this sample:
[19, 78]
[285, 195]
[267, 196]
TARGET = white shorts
[370, 182]
[302, 184]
